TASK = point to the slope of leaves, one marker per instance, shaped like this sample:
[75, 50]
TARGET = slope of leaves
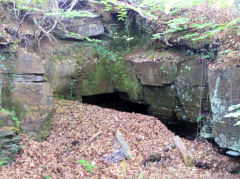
[71, 140]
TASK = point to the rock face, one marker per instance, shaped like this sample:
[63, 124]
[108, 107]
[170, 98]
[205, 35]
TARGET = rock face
[25, 91]
[80, 28]
[224, 91]
[173, 84]
[9, 145]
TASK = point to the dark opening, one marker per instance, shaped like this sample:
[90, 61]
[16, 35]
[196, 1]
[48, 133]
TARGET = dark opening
[117, 101]
[120, 102]
[184, 129]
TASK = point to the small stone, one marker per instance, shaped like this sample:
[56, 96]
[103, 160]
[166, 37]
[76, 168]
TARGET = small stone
[233, 153]
[75, 142]
[155, 157]
[166, 149]
[173, 146]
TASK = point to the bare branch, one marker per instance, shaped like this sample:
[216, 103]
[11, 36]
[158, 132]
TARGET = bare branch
[73, 3]
[20, 23]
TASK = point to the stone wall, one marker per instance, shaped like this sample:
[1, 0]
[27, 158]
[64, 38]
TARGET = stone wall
[25, 99]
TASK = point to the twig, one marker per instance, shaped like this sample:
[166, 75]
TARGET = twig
[73, 3]
[20, 23]
[94, 137]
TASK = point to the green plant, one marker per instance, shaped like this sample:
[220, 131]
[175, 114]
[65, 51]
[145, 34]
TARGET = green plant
[73, 84]
[200, 117]
[47, 15]
[46, 177]
[3, 161]
[14, 117]
[122, 13]
[163, 69]
[87, 165]
[93, 40]
[235, 114]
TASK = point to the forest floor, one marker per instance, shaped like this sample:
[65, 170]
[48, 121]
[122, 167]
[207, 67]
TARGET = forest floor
[87, 132]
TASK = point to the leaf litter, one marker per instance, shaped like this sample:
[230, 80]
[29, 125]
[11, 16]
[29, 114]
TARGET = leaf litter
[87, 132]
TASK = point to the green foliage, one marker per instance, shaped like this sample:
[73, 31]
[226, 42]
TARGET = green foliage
[201, 29]
[235, 114]
[122, 13]
[3, 161]
[46, 177]
[72, 88]
[14, 117]
[2, 66]
[163, 70]
[200, 117]
[89, 167]
[108, 6]
[175, 25]
[93, 40]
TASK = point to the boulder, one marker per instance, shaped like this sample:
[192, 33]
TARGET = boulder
[80, 28]
[224, 89]
[25, 91]
[191, 88]
[174, 83]
[156, 73]
[9, 140]
[9, 145]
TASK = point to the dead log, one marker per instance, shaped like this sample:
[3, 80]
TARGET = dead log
[184, 152]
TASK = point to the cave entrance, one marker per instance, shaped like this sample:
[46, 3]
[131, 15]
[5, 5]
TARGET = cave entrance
[184, 129]
[120, 102]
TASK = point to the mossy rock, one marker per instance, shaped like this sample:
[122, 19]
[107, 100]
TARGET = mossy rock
[9, 145]
[224, 92]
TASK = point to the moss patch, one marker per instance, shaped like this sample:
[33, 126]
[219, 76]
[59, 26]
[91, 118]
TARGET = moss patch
[123, 81]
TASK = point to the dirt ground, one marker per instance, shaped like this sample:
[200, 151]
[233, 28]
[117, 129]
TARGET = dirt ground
[87, 132]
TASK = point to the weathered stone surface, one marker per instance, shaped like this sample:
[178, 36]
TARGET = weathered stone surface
[160, 96]
[6, 119]
[95, 78]
[191, 86]
[172, 83]
[9, 145]
[33, 104]
[224, 91]
[60, 75]
[179, 40]
[185, 77]
[81, 27]
[25, 91]
[28, 64]
[9, 141]
[156, 73]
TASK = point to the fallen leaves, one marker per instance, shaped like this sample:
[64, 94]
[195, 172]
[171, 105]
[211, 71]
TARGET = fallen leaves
[94, 129]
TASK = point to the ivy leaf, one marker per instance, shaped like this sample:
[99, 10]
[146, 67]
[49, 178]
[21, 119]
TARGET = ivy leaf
[237, 124]
[234, 114]
[233, 107]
